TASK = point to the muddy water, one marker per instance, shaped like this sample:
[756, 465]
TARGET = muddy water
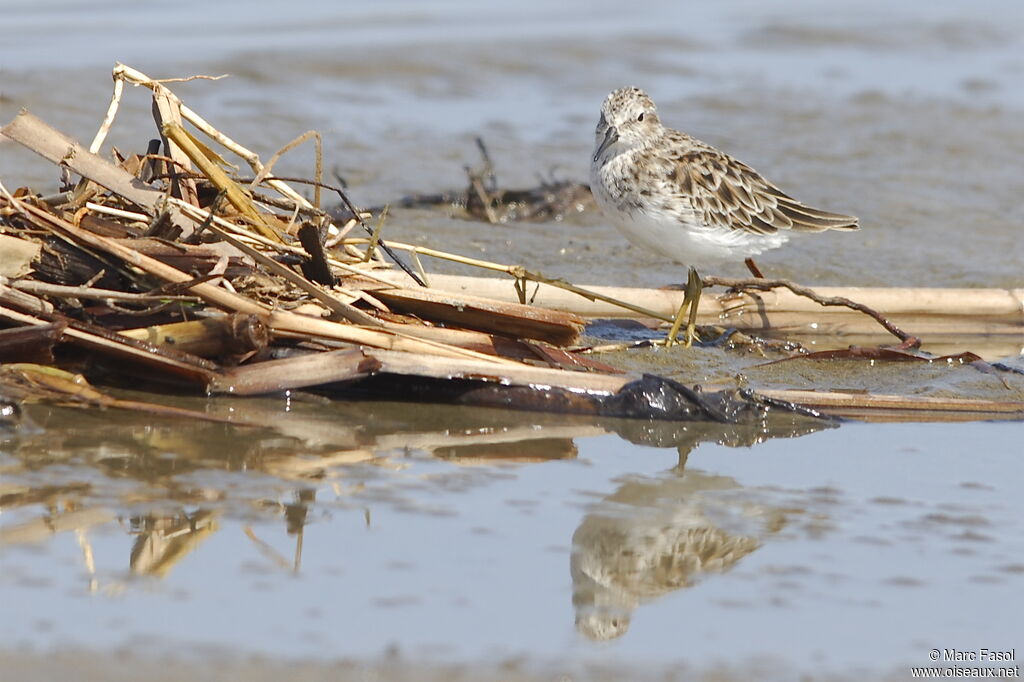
[522, 545]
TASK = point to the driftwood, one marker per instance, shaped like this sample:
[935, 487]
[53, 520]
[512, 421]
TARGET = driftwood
[319, 369]
[551, 390]
[57, 148]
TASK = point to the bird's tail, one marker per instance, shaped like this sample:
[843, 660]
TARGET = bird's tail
[807, 219]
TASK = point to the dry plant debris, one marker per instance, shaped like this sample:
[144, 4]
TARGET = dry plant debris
[170, 267]
[483, 199]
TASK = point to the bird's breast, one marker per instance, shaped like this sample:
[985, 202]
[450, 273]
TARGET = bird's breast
[615, 182]
[655, 216]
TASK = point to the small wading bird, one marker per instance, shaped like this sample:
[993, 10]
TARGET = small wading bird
[677, 196]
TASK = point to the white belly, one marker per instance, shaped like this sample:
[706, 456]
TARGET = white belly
[691, 243]
[679, 234]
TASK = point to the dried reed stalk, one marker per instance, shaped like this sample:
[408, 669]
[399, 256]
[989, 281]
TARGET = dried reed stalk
[56, 147]
[238, 198]
[207, 338]
[314, 369]
[167, 110]
[126, 73]
[879, 407]
[1001, 308]
[521, 276]
[483, 314]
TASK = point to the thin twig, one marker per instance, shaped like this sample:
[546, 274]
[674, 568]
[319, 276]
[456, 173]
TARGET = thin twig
[908, 340]
[487, 172]
[318, 170]
[65, 291]
[117, 212]
[385, 247]
[186, 79]
[375, 237]
[144, 312]
[349, 312]
[485, 199]
[108, 120]
[419, 266]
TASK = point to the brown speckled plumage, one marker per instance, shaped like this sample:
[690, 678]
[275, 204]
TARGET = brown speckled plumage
[672, 193]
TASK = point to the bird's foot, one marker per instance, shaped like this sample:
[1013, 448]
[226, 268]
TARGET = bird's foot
[691, 301]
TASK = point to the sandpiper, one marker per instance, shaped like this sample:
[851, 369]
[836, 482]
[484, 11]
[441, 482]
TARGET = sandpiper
[682, 198]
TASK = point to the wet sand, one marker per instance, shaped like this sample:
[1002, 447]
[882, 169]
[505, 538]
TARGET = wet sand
[927, 166]
[87, 666]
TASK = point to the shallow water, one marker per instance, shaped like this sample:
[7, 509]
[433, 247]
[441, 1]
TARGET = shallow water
[362, 530]
[456, 536]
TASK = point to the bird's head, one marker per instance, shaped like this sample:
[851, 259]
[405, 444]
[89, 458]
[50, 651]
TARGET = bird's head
[628, 120]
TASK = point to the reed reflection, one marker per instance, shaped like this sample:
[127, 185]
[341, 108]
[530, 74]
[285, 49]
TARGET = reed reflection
[168, 488]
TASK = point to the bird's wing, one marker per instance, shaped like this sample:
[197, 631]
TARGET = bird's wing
[729, 193]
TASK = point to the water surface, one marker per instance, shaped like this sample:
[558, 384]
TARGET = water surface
[507, 538]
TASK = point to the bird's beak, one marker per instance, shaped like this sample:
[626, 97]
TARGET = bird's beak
[611, 136]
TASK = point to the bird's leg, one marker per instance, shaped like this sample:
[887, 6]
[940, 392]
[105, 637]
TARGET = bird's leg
[694, 287]
[736, 293]
[691, 299]
[670, 340]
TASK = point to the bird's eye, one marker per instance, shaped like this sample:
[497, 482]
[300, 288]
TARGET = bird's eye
[640, 117]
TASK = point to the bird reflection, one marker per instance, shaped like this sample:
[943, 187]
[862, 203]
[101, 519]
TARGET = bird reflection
[163, 540]
[656, 535]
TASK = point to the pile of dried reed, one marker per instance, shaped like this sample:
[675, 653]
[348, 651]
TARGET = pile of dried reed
[171, 267]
